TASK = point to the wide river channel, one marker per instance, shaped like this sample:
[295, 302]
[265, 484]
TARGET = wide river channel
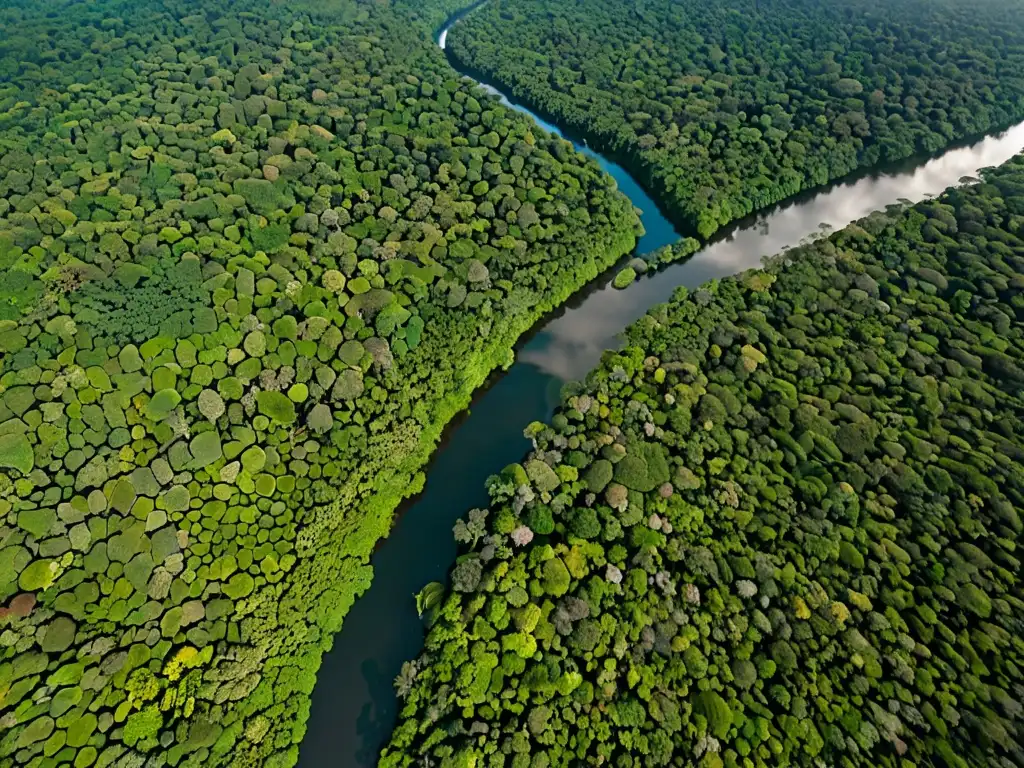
[354, 706]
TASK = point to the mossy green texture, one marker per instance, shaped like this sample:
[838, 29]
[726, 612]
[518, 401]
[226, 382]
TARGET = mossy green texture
[253, 258]
[723, 108]
[760, 579]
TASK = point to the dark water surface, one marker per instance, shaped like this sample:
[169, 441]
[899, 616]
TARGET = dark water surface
[354, 706]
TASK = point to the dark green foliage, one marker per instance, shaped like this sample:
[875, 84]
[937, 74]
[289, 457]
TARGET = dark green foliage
[260, 195]
[253, 257]
[598, 475]
[466, 575]
[585, 524]
[802, 593]
[643, 468]
[724, 107]
[538, 518]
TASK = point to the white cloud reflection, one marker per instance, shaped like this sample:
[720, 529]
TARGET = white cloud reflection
[572, 343]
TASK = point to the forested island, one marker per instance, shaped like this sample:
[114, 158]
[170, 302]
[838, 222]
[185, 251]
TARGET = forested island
[721, 107]
[779, 527]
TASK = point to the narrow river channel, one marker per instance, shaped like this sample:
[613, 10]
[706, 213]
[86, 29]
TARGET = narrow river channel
[354, 706]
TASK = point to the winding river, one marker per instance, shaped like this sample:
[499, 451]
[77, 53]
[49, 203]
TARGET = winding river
[354, 706]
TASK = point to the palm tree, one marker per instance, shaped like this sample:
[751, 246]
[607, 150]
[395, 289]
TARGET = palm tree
[406, 679]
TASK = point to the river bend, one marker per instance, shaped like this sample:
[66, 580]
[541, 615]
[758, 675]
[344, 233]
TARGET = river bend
[354, 706]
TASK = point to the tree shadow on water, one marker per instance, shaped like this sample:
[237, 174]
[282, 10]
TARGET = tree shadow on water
[375, 718]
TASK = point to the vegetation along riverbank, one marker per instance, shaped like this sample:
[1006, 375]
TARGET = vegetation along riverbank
[721, 108]
[254, 258]
[777, 528]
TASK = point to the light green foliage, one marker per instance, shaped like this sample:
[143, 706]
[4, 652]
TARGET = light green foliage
[142, 725]
[231, 333]
[520, 643]
[37, 575]
[162, 403]
[240, 585]
[542, 476]
[716, 711]
[556, 577]
[254, 459]
[205, 448]
[16, 453]
[624, 277]
[277, 406]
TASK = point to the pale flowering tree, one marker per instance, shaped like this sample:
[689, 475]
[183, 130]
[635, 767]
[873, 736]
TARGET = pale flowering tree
[746, 588]
[692, 594]
[524, 495]
[617, 497]
[406, 679]
[470, 531]
[178, 423]
[522, 536]
[613, 574]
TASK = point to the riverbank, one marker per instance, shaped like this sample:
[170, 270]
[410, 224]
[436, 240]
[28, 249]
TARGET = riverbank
[793, 496]
[526, 81]
[382, 630]
[230, 344]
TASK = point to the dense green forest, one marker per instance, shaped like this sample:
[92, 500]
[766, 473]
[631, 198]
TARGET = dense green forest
[779, 527]
[253, 256]
[722, 107]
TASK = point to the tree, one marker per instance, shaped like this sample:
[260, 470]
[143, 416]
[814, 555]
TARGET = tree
[466, 575]
[715, 709]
